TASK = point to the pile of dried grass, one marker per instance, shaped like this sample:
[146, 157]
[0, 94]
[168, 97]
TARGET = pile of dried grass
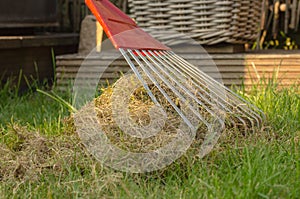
[139, 106]
[26, 154]
[100, 125]
[100, 115]
[31, 154]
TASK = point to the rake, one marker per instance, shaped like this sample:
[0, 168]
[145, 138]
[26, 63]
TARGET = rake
[195, 96]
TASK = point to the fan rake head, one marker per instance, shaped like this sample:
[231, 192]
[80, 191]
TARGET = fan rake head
[194, 90]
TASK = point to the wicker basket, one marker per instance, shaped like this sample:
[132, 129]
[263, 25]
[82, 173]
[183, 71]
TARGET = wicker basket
[206, 21]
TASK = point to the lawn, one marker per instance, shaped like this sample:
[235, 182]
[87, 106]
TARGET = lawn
[41, 156]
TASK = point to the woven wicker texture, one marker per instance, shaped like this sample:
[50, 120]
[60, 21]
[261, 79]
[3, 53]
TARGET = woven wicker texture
[206, 21]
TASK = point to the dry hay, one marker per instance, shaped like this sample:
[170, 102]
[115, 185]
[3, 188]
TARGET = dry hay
[30, 154]
[26, 154]
[139, 107]
[100, 115]
[151, 137]
[28, 157]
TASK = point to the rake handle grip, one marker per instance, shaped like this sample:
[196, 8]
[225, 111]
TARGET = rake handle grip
[120, 28]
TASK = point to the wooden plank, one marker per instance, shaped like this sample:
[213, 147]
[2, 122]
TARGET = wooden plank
[9, 42]
[213, 75]
[74, 69]
[218, 48]
[224, 69]
[91, 63]
[274, 62]
[269, 63]
[88, 75]
[259, 69]
[233, 68]
[278, 55]
[244, 56]
[249, 82]
[70, 82]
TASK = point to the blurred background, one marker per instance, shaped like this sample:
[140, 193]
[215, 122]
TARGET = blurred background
[34, 34]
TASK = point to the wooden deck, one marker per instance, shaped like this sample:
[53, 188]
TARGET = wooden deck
[234, 68]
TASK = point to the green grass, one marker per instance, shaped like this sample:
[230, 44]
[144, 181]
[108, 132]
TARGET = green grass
[261, 165]
[32, 109]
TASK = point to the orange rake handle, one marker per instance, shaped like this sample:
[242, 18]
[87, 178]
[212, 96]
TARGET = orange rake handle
[121, 29]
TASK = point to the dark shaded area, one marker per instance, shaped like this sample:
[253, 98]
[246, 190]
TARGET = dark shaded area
[32, 33]
[29, 13]
[32, 56]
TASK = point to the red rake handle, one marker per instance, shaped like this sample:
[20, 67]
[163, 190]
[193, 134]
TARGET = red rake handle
[121, 29]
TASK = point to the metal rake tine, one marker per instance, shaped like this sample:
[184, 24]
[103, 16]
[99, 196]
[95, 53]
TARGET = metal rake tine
[238, 101]
[214, 81]
[242, 108]
[179, 84]
[176, 72]
[139, 76]
[186, 70]
[179, 75]
[190, 69]
[233, 96]
[178, 94]
[186, 120]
